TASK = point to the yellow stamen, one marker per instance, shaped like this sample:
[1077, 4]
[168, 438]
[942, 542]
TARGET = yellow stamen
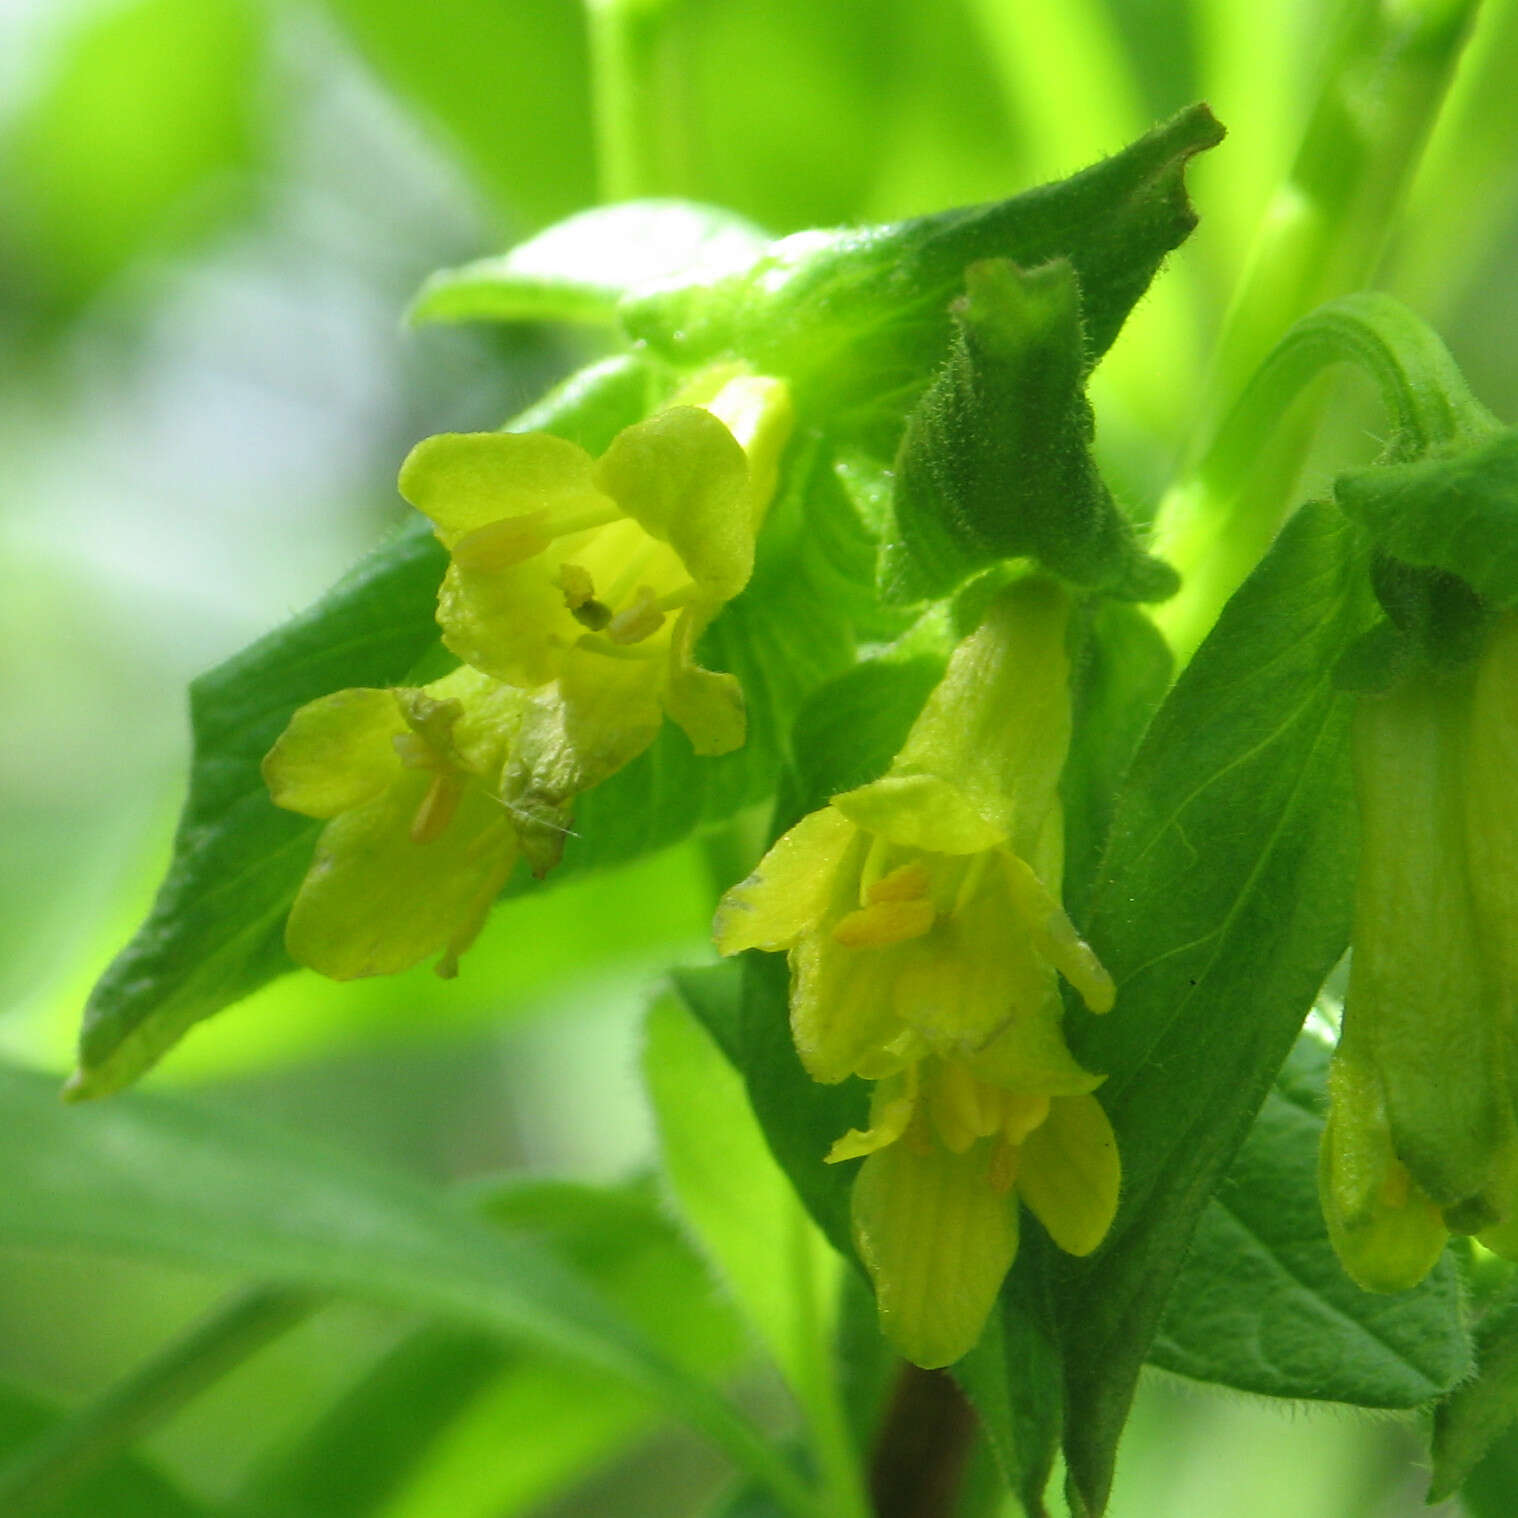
[437, 808]
[1001, 1175]
[499, 545]
[883, 923]
[907, 882]
[640, 620]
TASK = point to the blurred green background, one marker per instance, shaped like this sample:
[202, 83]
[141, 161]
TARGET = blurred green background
[212, 216]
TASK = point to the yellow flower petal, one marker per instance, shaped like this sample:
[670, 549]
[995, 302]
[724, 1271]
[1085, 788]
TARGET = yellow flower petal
[920, 812]
[683, 478]
[1054, 935]
[706, 705]
[336, 753]
[375, 903]
[937, 1241]
[1068, 1173]
[465, 481]
[892, 1103]
[789, 889]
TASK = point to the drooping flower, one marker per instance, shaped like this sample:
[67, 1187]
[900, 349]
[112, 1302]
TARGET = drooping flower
[418, 843]
[1421, 1140]
[926, 939]
[596, 578]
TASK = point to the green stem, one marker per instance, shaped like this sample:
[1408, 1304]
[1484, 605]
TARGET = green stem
[637, 96]
[1322, 236]
[1420, 385]
[41, 1473]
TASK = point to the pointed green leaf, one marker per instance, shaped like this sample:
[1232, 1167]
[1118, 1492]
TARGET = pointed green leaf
[858, 319]
[1224, 900]
[579, 269]
[1262, 1302]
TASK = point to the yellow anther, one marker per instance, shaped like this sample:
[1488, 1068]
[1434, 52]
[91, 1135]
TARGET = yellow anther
[908, 882]
[883, 923]
[962, 1108]
[576, 583]
[437, 808]
[499, 545]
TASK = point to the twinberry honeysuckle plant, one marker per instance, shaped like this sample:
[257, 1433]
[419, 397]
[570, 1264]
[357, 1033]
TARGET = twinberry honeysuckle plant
[1077, 804]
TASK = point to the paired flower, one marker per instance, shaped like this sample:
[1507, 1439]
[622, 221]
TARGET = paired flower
[921, 915]
[1421, 1140]
[597, 577]
[575, 594]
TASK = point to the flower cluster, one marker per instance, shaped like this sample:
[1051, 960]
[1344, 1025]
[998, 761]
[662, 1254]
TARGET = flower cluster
[1421, 1140]
[926, 939]
[575, 593]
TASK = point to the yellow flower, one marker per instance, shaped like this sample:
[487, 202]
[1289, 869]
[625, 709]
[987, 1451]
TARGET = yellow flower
[921, 915]
[418, 844]
[597, 577]
[1421, 1140]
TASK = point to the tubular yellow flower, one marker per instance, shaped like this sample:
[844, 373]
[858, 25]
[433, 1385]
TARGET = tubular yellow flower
[1422, 1140]
[418, 844]
[597, 577]
[921, 915]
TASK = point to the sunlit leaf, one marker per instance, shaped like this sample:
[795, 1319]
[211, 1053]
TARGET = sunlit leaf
[579, 269]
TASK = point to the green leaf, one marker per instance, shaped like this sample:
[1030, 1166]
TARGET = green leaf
[730, 1191]
[1487, 1491]
[1456, 511]
[1122, 669]
[422, 1431]
[1013, 1378]
[125, 1487]
[1262, 1302]
[177, 1181]
[857, 319]
[578, 270]
[772, 1258]
[1224, 900]
[1468, 1424]
[216, 931]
